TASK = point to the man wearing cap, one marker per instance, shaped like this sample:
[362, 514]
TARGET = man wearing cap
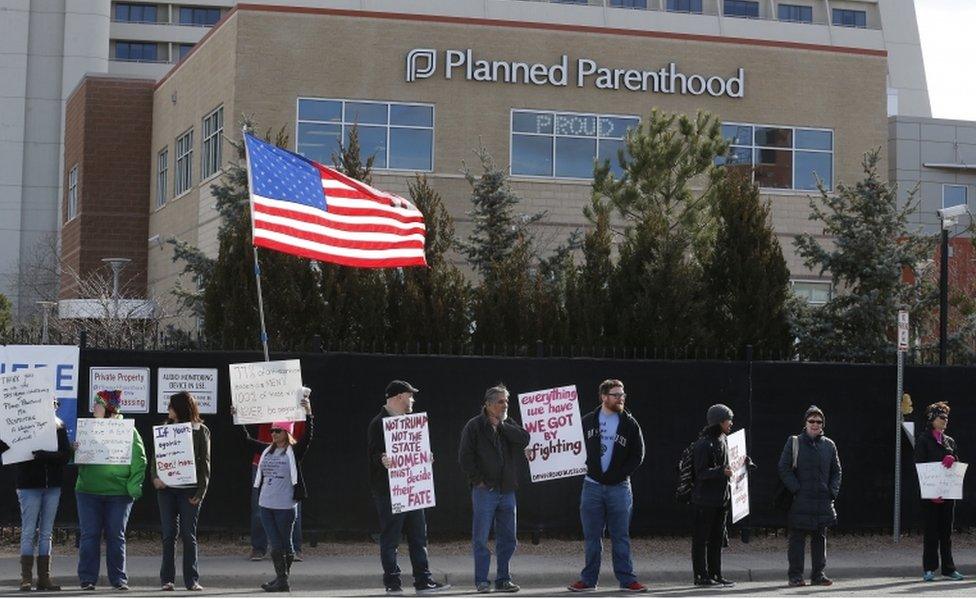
[399, 401]
[710, 496]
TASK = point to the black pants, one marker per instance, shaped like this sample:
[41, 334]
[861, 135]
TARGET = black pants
[818, 552]
[706, 542]
[392, 527]
[937, 518]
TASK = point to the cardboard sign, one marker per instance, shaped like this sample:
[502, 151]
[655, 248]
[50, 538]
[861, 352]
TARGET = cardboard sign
[27, 408]
[104, 441]
[935, 480]
[739, 483]
[552, 419]
[175, 463]
[63, 359]
[133, 382]
[411, 474]
[266, 391]
[201, 383]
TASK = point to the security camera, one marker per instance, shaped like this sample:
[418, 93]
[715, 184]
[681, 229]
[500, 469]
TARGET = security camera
[953, 211]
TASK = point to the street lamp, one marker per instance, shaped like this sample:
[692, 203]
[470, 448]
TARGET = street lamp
[45, 308]
[117, 265]
[948, 217]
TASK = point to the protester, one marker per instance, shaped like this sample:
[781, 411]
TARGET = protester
[399, 401]
[614, 450]
[711, 496]
[105, 494]
[282, 486]
[491, 451]
[39, 493]
[933, 445]
[815, 484]
[259, 540]
[179, 506]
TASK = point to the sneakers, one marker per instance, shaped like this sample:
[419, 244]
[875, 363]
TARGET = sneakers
[634, 587]
[90, 586]
[581, 587]
[297, 557]
[394, 589]
[507, 586]
[122, 587]
[704, 581]
[821, 581]
[954, 575]
[167, 586]
[798, 582]
[929, 576]
[725, 582]
[483, 587]
[256, 555]
[196, 587]
[432, 587]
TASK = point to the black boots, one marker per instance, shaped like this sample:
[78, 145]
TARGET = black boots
[26, 572]
[280, 583]
[44, 582]
[703, 580]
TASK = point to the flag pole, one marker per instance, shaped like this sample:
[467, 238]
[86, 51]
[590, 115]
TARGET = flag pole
[257, 265]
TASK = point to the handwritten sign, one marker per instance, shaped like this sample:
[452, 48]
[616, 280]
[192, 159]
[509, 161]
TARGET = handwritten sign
[27, 405]
[133, 382]
[63, 359]
[411, 474]
[175, 464]
[739, 483]
[104, 441]
[935, 480]
[201, 383]
[266, 391]
[552, 419]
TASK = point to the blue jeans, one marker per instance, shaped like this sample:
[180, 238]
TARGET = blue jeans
[37, 510]
[259, 540]
[278, 525]
[176, 513]
[392, 527]
[98, 515]
[490, 506]
[607, 506]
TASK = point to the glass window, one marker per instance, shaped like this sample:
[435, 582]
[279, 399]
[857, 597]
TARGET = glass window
[183, 50]
[547, 144]
[741, 8]
[795, 13]
[141, 51]
[532, 155]
[776, 137]
[738, 134]
[193, 15]
[685, 6]
[844, 17]
[629, 3]
[811, 166]
[781, 157]
[814, 292]
[814, 139]
[574, 157]
[774, 168]
[135, 13]
[162, 173]
[213, 129]
[953, 195]
[183, 176]
[72, 208]
[398, 136]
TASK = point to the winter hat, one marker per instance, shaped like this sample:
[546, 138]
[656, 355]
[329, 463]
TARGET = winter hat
[814, 410]
[288, 427]
[718, 414]
[935, 410]
[110, 400]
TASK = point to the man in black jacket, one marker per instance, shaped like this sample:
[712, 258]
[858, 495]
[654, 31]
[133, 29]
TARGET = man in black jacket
[614, 450]
[399, 401]
[710, 496]
[491, 452]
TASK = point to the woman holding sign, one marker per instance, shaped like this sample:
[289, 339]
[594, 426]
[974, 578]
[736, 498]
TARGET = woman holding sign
[179, 504]
[933, 445]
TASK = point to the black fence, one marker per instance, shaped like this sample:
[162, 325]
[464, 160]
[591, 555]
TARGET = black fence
[668, 397]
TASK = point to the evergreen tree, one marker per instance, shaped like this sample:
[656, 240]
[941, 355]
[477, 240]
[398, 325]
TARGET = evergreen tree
[6, 313]
[588, 289]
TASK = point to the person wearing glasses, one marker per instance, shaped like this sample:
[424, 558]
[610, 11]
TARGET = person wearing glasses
[815, 484]
[933, 445]
[614, 450]
[39, 492]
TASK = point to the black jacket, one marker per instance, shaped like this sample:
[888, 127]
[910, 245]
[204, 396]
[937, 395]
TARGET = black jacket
[815, 483]
[379, 479]
[492, 457]
[927, 449]
[46, 470]
[711, 485]
[628, 450]
[299, 449]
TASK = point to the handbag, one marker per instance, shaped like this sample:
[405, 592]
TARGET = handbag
[783, 499]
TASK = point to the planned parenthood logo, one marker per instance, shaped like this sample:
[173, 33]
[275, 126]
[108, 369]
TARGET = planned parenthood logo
[421, 63]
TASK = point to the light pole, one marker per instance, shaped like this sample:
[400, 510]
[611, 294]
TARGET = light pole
[45, 309]
[117, 265]
[948, 218]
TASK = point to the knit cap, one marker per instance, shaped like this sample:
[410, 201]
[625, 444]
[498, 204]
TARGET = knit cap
[718, 414]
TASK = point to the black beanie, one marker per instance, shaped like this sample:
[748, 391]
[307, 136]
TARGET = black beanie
[718, 414]
[814, 410]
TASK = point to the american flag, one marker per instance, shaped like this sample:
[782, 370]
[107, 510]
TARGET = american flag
[303, 208]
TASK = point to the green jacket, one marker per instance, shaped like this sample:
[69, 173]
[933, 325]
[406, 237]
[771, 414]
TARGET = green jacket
[111, 479]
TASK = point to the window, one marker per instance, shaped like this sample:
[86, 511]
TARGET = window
[953, 195]
[781, 157]
[628, 3]
[213, 128]
[816, 293]
[844, 17]
[183, 176]
[795, 13]
[183, 50]
[551, 144]
[399, 136]
[141, 51]
[685, 6]
[741, 8]
[135, 13]
[162, 173]
[190, 15]
[73, 192]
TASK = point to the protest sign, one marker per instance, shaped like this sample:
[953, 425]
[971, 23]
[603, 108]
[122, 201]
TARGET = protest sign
[552, 419]
[266, 391]
[935, 480]
[201, 383]
[104, 441]
[133, 382]
[739, 482]
[175, 464]
[411, 474]
[63, 359]
[27, 405]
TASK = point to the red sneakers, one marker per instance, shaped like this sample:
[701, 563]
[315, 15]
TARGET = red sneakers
[581, 587]
[634, 587]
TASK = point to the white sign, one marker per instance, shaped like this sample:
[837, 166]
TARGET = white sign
[175, 464]
[266, 392]
[104, 441]
[910, 431]
[552, 419]
[902, 330]
[935, 480]
[201, 383]
[63, 359]
[739, 483]
[27, 408]
[132, 382]
[411, 473]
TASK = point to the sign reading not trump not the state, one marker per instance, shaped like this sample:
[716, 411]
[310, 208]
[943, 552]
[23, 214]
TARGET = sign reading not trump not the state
[411, 472]
[552, 419]
[266, 391]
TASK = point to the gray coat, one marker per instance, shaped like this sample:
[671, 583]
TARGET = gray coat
[815, 483]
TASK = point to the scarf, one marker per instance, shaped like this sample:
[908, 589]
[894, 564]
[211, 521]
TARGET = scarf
[292, 466]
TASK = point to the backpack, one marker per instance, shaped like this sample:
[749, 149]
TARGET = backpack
[686, 474]
[783, 499]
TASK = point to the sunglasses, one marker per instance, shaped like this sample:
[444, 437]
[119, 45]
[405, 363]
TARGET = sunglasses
[277, 430]
[814, 421]
[618, 395]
